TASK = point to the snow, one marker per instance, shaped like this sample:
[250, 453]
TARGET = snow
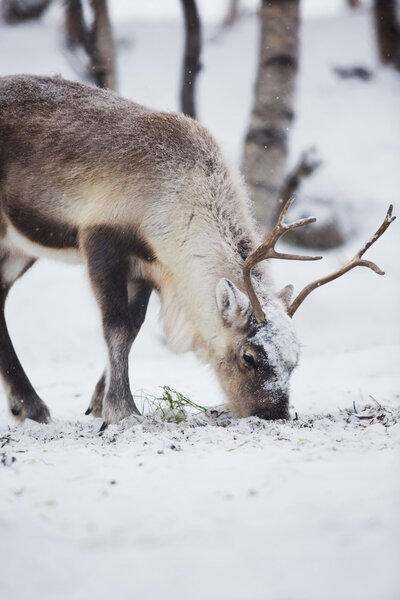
[278, 346]
[216, 507]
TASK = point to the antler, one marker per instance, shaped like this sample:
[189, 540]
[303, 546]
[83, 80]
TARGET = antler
[267, 250]
[356, 261]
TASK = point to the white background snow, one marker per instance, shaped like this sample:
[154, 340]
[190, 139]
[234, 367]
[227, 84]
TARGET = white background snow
[218, 508]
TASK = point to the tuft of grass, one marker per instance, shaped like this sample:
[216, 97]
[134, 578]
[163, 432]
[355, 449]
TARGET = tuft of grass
[376, 401]
[173, 406]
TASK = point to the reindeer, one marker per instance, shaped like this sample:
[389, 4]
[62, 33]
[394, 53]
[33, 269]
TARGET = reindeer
[147, 202]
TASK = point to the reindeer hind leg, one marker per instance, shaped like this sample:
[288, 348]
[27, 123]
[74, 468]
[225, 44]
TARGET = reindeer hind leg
[22, 398]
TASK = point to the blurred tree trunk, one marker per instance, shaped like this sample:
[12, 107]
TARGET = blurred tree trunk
[103, 56]
[95, 39]
[387, 27]
[77, 34]
[15, 11]
[266, 144]
[191, 61]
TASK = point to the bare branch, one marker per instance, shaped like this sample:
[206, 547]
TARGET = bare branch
[232, 14]
[356, 261]
[307, 164]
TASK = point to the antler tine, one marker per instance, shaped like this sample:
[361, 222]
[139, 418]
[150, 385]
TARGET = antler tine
[386, 222]
[356, 261]
[281, 226]
[267, 250]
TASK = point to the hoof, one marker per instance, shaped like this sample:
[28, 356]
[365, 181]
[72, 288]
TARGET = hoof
[33, 408]
[115, 410]
[41, 415]
[103, 427]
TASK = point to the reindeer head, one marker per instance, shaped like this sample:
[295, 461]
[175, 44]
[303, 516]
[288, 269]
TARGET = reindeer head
[262, 346]
[255, 372]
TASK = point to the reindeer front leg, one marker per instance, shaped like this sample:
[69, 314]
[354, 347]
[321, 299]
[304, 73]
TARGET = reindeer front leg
[138, 297]
[108, 271]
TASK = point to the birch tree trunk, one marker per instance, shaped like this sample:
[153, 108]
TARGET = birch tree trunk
[266, 144]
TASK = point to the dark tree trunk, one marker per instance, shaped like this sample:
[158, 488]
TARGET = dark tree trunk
[77, 33]
[387, 28]
[103, 55]
[96, 40]
[191, 62]
[15, 11]
[266, 144]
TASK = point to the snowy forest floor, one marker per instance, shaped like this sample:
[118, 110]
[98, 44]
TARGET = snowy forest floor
[215, 507]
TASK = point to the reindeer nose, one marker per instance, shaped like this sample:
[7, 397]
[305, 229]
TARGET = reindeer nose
[278, 409]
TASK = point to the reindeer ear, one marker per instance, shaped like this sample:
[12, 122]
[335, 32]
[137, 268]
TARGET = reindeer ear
[285, 295]
[232, 303]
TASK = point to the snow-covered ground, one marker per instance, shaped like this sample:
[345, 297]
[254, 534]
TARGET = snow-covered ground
[213, 507]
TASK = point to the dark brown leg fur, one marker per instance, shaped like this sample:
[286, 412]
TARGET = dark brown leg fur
[108, 264]
[139, 295]
[23, 401]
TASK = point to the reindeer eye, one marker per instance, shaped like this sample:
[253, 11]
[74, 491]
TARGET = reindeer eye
[250, 360]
